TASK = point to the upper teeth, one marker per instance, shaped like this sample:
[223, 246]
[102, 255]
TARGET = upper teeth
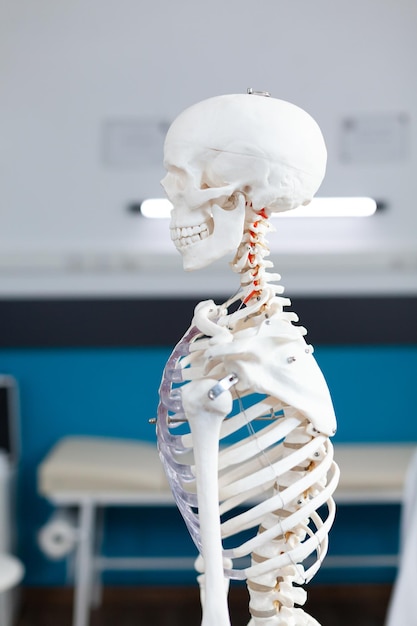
[191, 234]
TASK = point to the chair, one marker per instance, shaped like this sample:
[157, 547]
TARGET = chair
[11, 569]
[11, 572]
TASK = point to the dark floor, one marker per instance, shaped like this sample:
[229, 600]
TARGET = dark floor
[336, 605]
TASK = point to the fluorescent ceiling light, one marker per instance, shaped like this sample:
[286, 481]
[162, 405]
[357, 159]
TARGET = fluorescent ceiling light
[157, 208]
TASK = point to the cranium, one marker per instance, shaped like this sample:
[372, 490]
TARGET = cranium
[229, 151]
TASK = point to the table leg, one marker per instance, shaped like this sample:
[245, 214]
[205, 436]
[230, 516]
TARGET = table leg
[84, 564]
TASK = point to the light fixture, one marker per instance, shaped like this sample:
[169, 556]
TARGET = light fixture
[157, 208]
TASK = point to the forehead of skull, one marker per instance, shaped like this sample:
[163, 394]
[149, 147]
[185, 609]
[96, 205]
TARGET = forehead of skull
[250, 125]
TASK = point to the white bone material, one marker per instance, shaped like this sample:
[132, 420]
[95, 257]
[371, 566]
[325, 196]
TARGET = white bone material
[245, 414]
[226, 149]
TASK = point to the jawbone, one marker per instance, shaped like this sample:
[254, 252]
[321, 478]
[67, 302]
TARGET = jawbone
[199, 246]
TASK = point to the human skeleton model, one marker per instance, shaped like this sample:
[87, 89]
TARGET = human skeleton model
[245, 414]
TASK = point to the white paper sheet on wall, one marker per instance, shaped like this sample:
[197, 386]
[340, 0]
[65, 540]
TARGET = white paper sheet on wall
[375, 138]
[132, 142]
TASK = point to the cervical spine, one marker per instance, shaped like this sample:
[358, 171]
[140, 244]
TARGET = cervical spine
[279, 466]
[250, 258]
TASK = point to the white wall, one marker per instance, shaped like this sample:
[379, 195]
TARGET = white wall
[69, 68]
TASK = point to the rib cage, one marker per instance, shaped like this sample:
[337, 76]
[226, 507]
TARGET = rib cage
[275, 472]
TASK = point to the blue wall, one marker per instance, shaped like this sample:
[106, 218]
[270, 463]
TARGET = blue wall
[113, 392]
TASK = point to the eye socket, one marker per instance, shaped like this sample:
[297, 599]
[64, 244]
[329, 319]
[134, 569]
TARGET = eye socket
[176, 171]
[175, 179]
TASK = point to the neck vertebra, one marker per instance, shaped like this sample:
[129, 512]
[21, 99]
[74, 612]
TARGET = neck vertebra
[251, 263]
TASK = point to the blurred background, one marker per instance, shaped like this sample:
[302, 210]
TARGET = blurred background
[93, 295]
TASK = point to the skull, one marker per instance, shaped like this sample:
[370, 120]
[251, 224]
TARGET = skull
[230, 151]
